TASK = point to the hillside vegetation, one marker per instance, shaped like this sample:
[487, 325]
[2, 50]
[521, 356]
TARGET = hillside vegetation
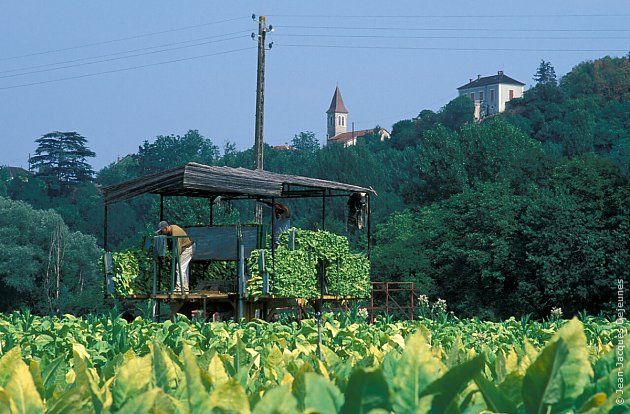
[523, 212]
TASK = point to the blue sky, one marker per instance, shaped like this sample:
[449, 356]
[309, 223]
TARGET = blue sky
[121, 72]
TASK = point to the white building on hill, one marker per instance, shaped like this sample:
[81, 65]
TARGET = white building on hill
[490, 93]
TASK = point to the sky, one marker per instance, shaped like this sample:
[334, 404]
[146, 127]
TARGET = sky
[124, 72]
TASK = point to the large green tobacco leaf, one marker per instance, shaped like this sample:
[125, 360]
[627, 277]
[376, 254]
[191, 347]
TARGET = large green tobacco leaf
[87, 382]
[447, 388]
[495, 399]
[50, 373]
[133, 377]
[366, 391]
[6, 404]
[512, 386]
[69, 402]
[540, 391]
[312, 391]
[278, 400]
[229, 398]
[36, 373]
[560, 373]
[140, 404]
[415, 370]
[217, 372]
[164, 374]
[321, 396]
[22, 391]
[198, 399]
[7, 361]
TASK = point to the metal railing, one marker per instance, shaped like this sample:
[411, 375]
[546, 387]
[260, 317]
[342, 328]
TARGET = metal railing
[386, 292]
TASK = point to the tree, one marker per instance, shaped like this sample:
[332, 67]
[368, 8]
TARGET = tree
[60, 159]
[305, 141]
[545, 74]
[404, 134]
[577, 137]
[494, 253]
[621, 156]
[463, 249]
[169, 151]
[606, 78]
[575, 231]
[427, 119]
[450, 162]
[457, 112]
[44, 265]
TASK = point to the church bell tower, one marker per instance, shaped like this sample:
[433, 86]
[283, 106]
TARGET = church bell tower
[337, 116]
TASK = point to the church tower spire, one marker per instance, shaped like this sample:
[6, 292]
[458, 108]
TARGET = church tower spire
[337, 115]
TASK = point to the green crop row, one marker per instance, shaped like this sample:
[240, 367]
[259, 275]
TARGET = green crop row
[106, 365]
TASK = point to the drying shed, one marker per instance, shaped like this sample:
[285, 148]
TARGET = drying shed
[198, 180]
[210, 182]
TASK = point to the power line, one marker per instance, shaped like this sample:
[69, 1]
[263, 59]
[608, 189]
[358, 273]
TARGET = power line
[123, 52]
[433, 16]
[452, 48]
[456, 37]
[126, 69]
[118, 58]
[123, 39]
[476, 29]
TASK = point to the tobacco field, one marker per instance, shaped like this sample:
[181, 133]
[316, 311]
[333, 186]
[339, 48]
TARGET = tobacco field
[104, 364]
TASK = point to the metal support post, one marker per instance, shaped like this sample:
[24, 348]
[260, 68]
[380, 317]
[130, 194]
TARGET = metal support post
[369, 225]
[241, 280]
[154, 300]
[324, 210]
[161, 207]
[273, 245]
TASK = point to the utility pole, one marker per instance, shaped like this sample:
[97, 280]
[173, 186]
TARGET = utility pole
[260, 103]
[260, 93]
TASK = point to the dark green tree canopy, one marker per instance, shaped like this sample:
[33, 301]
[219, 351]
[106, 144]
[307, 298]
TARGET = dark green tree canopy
[44, 265]
[606, 78]
[457, 112]
[305, 141]
[60, 159]
[169, 151]
[545, 74]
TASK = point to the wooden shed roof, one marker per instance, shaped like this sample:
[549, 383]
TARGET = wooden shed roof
[198, 180]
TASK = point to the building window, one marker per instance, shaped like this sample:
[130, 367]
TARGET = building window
[472, 96]
[481, 96]
[339, 121]
[511, 94]
[343, 121]
[491, 95]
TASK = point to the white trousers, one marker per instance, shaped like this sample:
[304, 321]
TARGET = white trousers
[184, 261]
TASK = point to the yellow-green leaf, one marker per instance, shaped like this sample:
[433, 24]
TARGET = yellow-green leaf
[7, 362]
[23, 392]
[164, 373]
[416, 369]
[198, 401]
[217, 371]
[230, 398]
[133, 377]
[560, 373]
[278, 400]
[140, 404]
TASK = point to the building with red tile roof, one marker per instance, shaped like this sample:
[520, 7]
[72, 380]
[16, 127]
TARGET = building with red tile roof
[337, 124]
